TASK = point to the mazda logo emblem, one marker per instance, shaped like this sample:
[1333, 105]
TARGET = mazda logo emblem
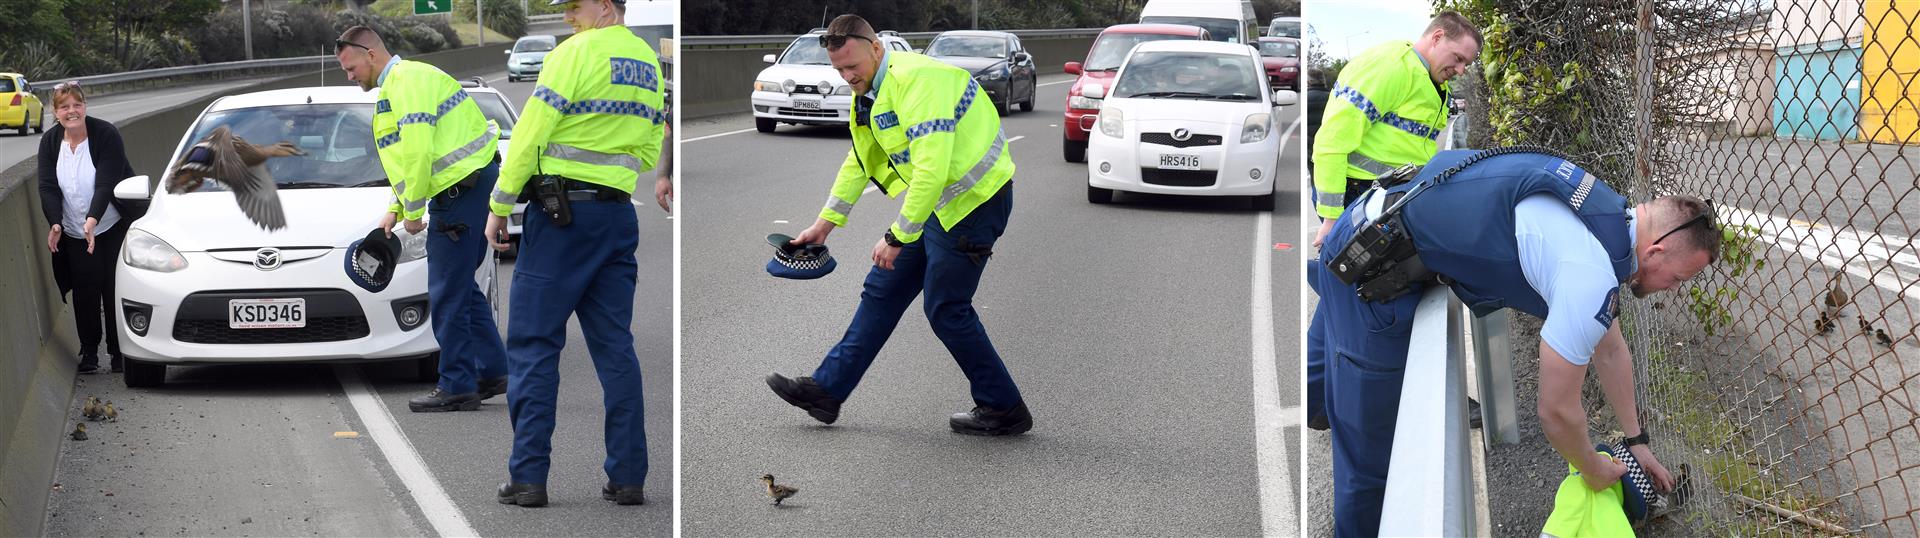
[1182, 134]
[267, 259]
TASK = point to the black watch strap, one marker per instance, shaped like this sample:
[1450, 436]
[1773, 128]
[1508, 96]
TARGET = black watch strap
[1637, 439]
[893, 241]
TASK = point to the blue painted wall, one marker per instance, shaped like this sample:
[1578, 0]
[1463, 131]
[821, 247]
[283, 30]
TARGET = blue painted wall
[1814, 92]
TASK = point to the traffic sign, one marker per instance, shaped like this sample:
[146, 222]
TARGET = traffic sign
[423, 7]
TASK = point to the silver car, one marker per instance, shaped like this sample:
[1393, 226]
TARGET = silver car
[524, 59]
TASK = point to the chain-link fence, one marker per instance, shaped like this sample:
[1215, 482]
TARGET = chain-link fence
[1782, 380]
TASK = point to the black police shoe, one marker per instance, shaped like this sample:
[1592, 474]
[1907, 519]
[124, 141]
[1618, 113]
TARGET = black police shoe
[983, 420]
[493, 387]
[623, 495]
[89, 363]
[118, 363]
[438, 401]
[803, 393]
[527, 495]
[1318, 423]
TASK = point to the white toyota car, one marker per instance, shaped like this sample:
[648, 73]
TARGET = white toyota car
[1187, 118]
[801, 87]
[200, 284]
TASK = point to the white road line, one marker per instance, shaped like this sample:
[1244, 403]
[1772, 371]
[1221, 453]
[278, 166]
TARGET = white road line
[1279, 516]
[1015, 139]
[1057, 82]
[400, 454]
[699, 138]
[1886, 260]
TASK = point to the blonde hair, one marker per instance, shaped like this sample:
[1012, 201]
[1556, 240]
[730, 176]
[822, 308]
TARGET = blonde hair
[68, 89]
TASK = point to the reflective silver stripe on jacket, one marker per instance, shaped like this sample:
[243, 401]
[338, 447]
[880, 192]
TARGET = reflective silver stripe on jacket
[1377, 168]
[462, 152]
[582, 155]
[504, 197]
[908, 227]
[839, 206]
[978, 172]
[1330, 199]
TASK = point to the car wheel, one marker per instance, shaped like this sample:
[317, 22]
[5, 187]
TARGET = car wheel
[1098, 195]
[1033, 93]
[1002, 107]
[1075, 150]
[764, 125]
[1263, 202]
[142, 374]
[426, 369]
[40, 126]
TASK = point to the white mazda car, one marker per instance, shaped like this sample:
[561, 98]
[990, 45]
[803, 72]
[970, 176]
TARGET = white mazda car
[1187, 118]
[198, 283]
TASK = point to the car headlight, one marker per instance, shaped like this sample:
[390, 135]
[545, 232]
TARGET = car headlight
[145, 251]
[1256, 129]
[1084, 102]
[1112, 123]
[766, 86]
[843, 90]
[993, 73]
[412, 246]
[1289, 69]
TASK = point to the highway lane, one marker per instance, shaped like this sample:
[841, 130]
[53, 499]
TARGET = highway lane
[117, 108]
[252, 450]
[1136, 331]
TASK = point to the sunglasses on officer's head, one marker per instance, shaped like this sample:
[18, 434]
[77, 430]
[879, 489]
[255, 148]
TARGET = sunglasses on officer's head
[1705, 216]
[342, 44]
[834, 41]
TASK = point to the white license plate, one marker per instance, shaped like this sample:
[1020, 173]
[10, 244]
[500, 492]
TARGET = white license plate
[1176, 161]
[266, 313]
[806, 104]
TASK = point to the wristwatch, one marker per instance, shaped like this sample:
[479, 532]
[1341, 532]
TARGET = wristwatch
[1636, 440]
[893, 241]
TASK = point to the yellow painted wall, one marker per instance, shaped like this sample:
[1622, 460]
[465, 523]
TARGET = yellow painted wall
[1890, 72]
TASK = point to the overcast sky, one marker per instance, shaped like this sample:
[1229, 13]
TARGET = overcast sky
[1365, 23]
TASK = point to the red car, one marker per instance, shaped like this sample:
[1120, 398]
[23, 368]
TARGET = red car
[1281, 56]
[1103, 61]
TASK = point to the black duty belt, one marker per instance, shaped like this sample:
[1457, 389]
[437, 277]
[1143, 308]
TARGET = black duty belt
[581, 191]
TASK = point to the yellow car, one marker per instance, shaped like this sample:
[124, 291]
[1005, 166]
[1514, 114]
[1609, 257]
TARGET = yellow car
[19, 107]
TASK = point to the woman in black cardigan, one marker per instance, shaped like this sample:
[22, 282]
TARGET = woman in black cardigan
[81, 159]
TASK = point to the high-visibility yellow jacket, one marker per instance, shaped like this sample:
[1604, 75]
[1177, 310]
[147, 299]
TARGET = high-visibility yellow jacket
[429, 133]
[925, 136]
[1579, 512]
[1385, 112]
[597, 115]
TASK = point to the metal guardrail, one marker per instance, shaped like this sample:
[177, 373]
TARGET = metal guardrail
[546, 18]
[1430, 487]
[736, 40]
[201, 69]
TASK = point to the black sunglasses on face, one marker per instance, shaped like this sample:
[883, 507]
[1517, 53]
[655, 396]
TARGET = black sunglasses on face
[834, 41]
[1704, 216]
[341, 44]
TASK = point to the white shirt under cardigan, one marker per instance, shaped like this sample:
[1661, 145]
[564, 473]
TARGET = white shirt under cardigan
[76, 173]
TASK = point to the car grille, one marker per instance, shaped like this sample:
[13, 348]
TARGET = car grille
[784, 111]
[1177, 178]
[1166, 139]
[332, 316]
[809, 89]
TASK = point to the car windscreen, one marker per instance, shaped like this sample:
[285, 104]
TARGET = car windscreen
[495, 107]
[805, 51]
[1279, 49]
[1189, 75]
[337, 139]
[1112, 49]
[1285, 29]
[533, 45]
[1224, 30]
[968, 46]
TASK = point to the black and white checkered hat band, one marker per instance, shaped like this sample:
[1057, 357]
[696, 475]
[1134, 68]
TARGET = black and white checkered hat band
[803, 265]
[1636, 476]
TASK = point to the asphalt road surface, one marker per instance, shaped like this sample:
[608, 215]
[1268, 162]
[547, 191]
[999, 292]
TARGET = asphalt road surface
[253, 450]
[1156, 341]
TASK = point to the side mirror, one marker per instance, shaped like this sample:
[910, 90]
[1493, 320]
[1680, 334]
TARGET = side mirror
[1093, 91]
[133, 188]
[508, 52]
[768, 58]
[1285, 98]
[1022, 57]
[1073, 68]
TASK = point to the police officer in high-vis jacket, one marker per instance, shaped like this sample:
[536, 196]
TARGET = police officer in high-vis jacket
[1386, 111]
[592, 128]
[438, 150]
[925, 130]
[1510, 228]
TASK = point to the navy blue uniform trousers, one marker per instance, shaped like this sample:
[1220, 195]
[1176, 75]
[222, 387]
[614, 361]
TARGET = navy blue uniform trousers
[939, 264]
[585, 269]
[470, 348]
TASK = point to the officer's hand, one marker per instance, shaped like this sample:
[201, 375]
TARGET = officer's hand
[497, 232]
[815, 234]
[1326, 225]
[415, 226]
[883, 254]
[387, 220]
[663, 192]
[88, 229]
[53, 239]
[1602, 471]
[1662, 480]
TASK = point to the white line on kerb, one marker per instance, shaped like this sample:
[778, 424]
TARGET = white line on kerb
[1279, 516]
[427, 494]
[699, 138]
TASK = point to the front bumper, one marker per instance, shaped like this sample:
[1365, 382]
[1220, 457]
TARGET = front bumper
[1078, 123]
[346, 322]
[524, 70]
[1227, 169]
[833, 109]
